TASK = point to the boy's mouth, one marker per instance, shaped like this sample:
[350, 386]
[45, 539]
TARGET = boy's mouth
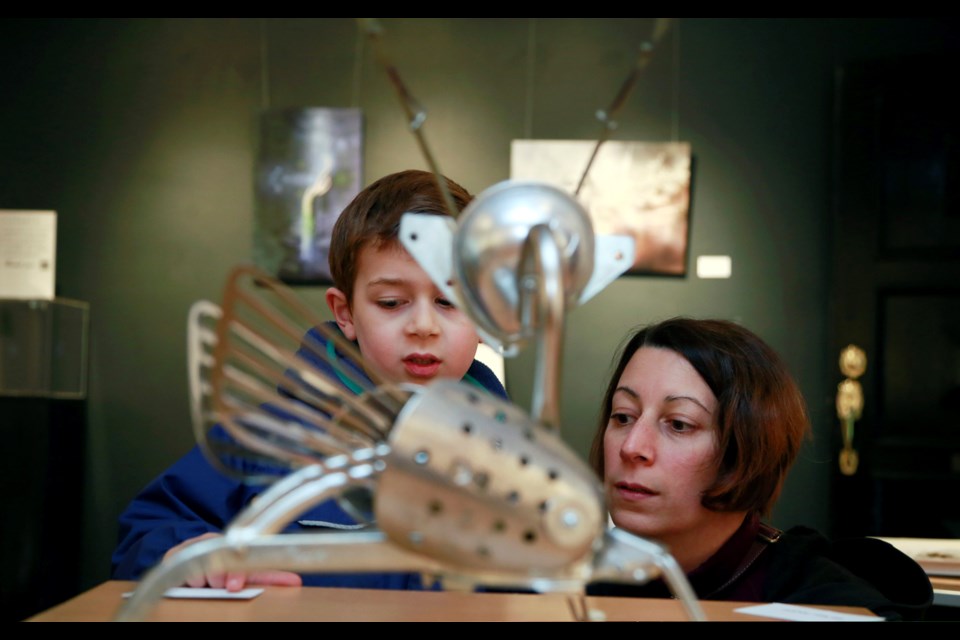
[420, 365]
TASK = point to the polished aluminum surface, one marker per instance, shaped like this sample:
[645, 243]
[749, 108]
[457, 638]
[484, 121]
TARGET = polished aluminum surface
[489, 246]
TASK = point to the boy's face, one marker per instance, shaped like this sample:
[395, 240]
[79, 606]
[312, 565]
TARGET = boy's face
[407, 330]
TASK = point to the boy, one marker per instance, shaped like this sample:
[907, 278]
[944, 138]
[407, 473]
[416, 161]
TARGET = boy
[406, 331]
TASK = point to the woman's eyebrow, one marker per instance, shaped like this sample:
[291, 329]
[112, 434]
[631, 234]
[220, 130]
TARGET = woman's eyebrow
[691, 399]
[633, 394]
[627, 390]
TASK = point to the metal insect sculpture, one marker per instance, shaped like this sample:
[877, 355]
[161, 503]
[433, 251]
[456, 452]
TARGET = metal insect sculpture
[443, 479]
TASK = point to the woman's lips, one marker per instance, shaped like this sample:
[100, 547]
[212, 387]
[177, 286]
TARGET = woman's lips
[631, 491]
[422, 365]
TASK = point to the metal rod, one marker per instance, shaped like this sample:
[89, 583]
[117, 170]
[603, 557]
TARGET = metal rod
[606, 116]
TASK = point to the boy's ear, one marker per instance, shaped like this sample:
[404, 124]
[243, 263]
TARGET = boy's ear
[337, 301]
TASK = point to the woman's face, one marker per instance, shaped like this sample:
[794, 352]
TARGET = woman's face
[659, 450]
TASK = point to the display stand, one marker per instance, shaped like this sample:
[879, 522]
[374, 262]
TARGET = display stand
[43, 390]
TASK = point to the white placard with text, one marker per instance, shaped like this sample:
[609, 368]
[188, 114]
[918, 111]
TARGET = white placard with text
[28, 249]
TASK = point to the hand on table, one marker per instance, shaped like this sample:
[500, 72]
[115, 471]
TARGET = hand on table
[235, 581]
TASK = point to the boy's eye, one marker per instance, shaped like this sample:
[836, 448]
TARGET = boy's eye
[388, 303]
[443, 302]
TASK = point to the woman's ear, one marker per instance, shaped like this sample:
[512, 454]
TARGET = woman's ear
[340, 307]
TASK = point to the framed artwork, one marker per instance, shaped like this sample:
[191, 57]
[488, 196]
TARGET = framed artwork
[640, 189]
[309, 167]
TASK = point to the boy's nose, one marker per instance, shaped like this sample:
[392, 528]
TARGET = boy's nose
[423, 320]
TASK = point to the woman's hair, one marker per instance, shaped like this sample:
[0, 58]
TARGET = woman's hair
[761, 417]
[373, 218]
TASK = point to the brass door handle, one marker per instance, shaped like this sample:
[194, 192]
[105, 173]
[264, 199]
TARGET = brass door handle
[853, 363]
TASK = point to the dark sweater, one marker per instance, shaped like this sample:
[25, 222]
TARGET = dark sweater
[800, 566]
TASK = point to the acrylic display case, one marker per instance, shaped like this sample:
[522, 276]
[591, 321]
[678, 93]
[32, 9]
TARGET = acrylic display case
[43, 405]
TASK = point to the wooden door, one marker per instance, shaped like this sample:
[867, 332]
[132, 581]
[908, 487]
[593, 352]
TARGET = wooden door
[896, 293]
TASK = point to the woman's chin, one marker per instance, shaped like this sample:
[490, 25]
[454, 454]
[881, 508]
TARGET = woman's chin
[637, 524]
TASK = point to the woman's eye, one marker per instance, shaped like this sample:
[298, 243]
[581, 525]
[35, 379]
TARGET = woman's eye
[443, 302]
[620, 419]
[680, 426]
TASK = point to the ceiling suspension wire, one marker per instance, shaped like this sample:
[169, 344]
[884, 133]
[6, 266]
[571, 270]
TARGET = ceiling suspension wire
[357, 69]
[675, 111]
[531, 74]
[264, 67]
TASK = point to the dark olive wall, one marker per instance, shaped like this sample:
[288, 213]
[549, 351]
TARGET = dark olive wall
[142, 134]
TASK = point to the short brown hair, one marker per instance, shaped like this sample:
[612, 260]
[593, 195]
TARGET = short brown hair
[373, 217]
[761, 414]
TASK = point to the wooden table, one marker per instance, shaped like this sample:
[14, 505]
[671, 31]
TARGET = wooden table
[306, 604]
[940, 558]
[946, 590]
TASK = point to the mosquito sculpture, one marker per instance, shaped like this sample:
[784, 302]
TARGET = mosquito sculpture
[458, 485]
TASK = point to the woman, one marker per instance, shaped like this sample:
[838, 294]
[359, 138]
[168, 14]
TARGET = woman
[700, 424]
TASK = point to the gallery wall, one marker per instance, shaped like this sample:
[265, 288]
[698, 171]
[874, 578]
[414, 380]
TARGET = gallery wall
[143, 133]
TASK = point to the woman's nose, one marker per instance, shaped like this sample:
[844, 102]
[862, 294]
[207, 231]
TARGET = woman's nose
[639, 443]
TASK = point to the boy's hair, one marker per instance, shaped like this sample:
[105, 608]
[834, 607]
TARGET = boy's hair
[761, 414]
[373, 218]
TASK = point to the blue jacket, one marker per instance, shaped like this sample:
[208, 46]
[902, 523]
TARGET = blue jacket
[192, 498]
